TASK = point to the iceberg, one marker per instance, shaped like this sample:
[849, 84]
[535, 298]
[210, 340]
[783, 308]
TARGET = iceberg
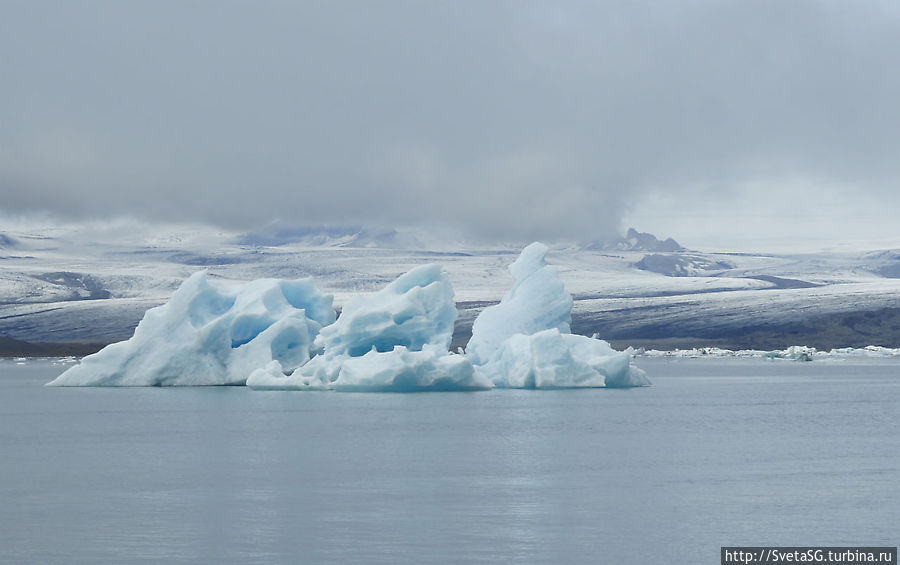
[794, 353]
[525, 342]
[212, 334]
[286, 335]
[396, 339]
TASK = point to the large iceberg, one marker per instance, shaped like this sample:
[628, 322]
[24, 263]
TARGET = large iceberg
[396, 339]
[212, 334]
[524, 341]
[274, 334]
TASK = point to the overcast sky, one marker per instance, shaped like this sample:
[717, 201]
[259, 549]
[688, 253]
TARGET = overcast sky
[698, 120]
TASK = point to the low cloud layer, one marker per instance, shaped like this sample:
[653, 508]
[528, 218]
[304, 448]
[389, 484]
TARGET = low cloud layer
[521, 119]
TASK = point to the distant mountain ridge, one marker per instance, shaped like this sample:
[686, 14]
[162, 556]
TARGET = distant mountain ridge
[634, 241]
[331, 236]
[372, 237]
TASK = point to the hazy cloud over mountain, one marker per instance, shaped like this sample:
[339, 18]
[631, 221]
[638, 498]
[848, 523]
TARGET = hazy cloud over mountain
[519, 118]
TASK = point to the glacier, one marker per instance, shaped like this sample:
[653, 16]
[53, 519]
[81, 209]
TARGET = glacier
[274, 334]
[212, 334]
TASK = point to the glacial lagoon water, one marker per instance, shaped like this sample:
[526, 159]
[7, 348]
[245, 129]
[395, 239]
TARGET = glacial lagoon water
[717, 452]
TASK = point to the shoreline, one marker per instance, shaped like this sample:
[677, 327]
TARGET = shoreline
[856, 329]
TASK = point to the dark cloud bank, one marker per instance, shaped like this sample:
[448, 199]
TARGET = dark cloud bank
[507, 118]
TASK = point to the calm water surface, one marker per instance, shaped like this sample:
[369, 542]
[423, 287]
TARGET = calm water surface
[717, 452]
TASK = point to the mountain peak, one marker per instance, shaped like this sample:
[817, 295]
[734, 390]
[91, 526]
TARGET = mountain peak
[634, 241]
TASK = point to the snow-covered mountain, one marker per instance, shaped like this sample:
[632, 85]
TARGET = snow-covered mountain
[89, 285]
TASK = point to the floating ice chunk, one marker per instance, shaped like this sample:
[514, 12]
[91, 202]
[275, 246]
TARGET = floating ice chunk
[393, 340]
[698, 352]
[867, 351]
[537, 301]
[794, 352]
[550, 359]
[212, 334]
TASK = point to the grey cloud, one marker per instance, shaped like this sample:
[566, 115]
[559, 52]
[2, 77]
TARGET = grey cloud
[509, 118]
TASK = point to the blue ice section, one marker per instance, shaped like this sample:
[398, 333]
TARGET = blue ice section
[395, 340]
